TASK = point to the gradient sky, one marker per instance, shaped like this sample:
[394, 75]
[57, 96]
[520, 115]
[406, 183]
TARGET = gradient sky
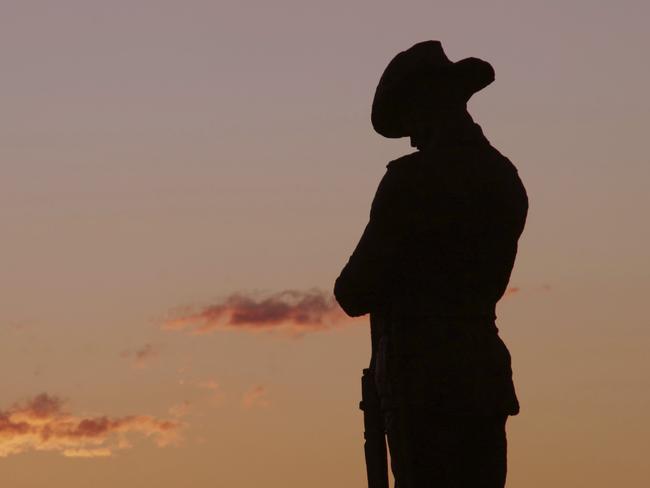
[164, 163]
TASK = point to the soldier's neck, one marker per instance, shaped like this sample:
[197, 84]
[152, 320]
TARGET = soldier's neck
[442, 131]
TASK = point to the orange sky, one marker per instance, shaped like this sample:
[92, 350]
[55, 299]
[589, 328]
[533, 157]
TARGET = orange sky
[181, 183]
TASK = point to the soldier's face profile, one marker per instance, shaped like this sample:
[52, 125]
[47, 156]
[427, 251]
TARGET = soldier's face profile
[421, 122]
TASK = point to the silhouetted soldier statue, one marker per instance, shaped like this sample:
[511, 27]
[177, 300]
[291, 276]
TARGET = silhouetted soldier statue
[433, 261]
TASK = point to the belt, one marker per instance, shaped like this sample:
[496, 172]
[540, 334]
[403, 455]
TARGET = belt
[419, 323]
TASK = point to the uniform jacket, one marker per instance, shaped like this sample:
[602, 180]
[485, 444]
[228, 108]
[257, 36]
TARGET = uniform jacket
[433, 260]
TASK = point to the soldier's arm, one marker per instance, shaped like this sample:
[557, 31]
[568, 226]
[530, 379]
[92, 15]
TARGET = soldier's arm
[365, 282]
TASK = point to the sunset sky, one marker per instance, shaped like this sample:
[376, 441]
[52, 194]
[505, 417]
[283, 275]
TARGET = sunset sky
[182, 181]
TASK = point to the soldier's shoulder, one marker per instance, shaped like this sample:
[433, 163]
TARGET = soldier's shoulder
[404, 162]
[500, 175]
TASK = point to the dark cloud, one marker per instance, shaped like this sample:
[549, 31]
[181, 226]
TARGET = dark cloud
[292, 311]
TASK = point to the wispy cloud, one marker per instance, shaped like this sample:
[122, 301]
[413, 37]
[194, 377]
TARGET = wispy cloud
[140, 358]
[511, 291]
[256, 396]
[42, 424]
[216, 395]
[180, 410]
[293, 311]
[88, 453]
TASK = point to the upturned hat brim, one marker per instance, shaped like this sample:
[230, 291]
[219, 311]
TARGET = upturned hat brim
[450, 83]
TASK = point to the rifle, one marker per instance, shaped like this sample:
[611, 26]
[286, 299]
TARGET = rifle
[373, 422]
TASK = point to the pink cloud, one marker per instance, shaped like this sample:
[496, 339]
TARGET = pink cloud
[42, 424]
[292, 311]
[256, 396]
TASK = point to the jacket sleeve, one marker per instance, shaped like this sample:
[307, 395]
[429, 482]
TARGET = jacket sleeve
[365, 282]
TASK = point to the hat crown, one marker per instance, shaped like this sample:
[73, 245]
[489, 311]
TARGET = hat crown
[431, 52]
[419, 58]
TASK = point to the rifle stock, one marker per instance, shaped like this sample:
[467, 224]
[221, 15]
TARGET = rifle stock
[374, 432]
